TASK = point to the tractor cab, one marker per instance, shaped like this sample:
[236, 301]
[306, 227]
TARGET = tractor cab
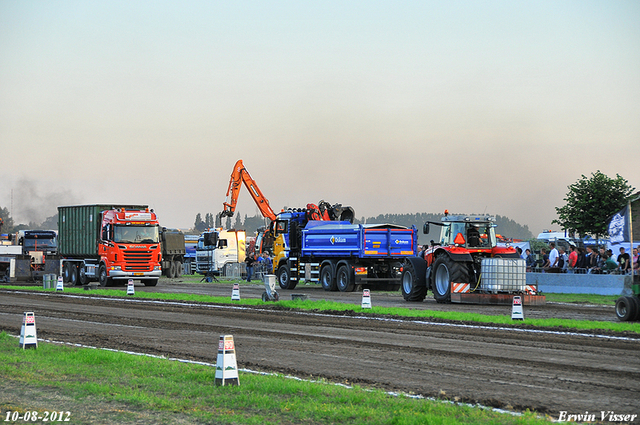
[468, 231]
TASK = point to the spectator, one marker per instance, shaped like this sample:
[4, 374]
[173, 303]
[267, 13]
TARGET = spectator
[553, 258]
[250, 261]
[268, 264]
[545, 258]
[636, 257]
[624, 261]
[573, 259]
[519, 250]
[563, 260]
[530, 261]
[609, 264]
[591, 259]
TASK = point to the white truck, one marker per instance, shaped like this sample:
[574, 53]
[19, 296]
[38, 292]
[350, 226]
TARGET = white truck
[217, 249]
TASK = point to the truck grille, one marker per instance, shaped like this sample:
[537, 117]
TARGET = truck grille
[137, 260]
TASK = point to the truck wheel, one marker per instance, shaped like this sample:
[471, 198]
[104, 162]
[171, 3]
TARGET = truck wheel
[150, 282]
[414, 284]
[65, 272]
[626, 309]
[73, 275]
[283, 277]
[171, 273]
[327, 279]
[445, 271]
[344, 279]
[102, 276]
[178, 269]
[82, 277]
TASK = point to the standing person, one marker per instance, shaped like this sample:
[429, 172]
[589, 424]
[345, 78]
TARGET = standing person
[563, 260]
[592, 259]
[250, 261]
[624, 261]
[635, 257]
[553, 256]
[573, 259]
[529, 260]
[268, 264]
[545, 259]
[581, 264]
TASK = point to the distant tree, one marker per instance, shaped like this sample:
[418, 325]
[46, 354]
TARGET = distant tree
[227, 223]
[238, 223]
[199, 225]
[51, 223]
[7, 226]
[591, 202]
[209, 220]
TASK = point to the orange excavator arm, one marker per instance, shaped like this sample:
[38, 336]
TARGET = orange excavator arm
[238, 176]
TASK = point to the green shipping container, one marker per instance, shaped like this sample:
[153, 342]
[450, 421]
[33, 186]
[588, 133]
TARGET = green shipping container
[79, 228]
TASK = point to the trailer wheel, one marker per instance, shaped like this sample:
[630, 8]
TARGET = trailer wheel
[73, 275]
[344, 279]
[284, 276]
[65, 272]
[327, 279]
[414, 284]
[445, 271]
[102, 276]
[626, 308]
[82, 276]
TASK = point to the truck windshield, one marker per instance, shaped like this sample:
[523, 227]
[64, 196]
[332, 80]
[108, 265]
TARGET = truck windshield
[136, 234]
[39, 244]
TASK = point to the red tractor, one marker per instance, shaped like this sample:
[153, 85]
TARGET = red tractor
[465, 262]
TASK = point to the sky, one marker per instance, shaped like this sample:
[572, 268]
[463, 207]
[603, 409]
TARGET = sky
[386, 106]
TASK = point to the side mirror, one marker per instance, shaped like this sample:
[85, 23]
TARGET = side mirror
[425, 228]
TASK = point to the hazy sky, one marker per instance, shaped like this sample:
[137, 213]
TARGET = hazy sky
[389, 107]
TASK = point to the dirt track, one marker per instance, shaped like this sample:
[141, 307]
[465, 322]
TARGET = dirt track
[547, 372]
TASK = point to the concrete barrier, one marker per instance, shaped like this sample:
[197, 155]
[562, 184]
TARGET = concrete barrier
[569, 283]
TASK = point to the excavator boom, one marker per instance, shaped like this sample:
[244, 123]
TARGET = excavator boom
[238, 176]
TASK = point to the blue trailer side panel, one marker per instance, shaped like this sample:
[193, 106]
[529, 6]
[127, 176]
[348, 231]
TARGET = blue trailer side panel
[331, 239]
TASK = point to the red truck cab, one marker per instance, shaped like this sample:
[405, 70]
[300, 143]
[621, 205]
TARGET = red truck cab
[129, 247]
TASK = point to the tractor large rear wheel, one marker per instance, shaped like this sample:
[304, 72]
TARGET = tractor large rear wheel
[444, 272]
[414, 284]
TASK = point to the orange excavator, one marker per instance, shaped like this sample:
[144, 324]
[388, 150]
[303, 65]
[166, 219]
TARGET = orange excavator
[238, 176]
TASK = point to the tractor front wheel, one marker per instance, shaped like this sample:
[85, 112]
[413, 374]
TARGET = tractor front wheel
[414, 286]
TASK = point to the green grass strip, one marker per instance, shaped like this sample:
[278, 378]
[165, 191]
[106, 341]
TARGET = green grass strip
[134, 383]
[319, 306]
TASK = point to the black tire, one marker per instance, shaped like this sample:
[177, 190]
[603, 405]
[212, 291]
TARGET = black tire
[445, 271]
[82, 277]
[414, 283]
[150, 282]
[171, 273]
[284, 276]
[327, 279]
[73, 275]
[65, 272]
[345, 279]
[178, 269]
[102, 276]
[265, 297]
[626, 309]
[637, 302]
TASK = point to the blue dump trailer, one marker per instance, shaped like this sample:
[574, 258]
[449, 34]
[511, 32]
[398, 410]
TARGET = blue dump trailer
[340, 255]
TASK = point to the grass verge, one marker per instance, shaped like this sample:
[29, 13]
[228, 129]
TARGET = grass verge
[98, 386]
[332, 306]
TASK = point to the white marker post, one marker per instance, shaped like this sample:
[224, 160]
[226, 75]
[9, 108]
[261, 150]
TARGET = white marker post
[516, 310]
[130, 289]
[366, 299]
[226, 366]
[59, 285]
[28, 337]
[235, 293]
